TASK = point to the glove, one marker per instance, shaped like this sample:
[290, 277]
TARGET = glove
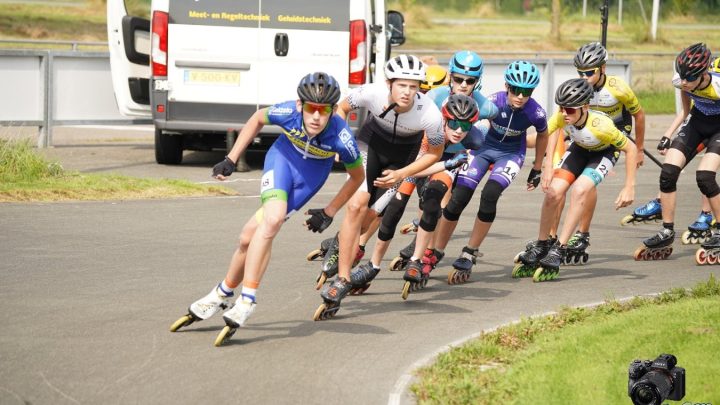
[226, 167]
[664, 143]
[534, 178]
[319, 220]
[456, 161]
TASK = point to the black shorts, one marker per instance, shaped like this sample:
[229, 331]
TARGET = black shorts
[579, 161]
[699, 129]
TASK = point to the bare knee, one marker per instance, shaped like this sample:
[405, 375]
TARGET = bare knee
[271, 225]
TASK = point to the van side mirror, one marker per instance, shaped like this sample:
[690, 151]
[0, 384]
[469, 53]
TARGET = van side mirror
[396, 27]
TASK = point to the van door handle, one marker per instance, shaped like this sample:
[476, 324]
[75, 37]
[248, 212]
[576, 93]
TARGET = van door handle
[282, 43]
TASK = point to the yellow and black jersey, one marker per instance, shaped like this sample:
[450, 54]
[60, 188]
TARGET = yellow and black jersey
[598, 133]
[618, 101]
[706, 100]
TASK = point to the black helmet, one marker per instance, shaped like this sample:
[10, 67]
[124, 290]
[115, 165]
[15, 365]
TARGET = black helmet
[573, 93]
[693, 61]
[461, 107]
[319, 87]
[590, 56]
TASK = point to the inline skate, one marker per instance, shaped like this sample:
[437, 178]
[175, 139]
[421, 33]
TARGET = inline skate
[332, 295]
[709, 251]
[320, 253]
[417, 272]
[462, 267]
[656, 247]
[234, 319]
[204, 308]
[329, 266]
[549, 266]
[412, 227]
[575, 251]
[527, 262]
[652, 211]
[406, 253]
[361, 277]
[699, 231]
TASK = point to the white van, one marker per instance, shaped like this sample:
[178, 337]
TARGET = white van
[201, 68]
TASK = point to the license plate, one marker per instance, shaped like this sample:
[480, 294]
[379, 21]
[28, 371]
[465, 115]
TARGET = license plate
[212, 77]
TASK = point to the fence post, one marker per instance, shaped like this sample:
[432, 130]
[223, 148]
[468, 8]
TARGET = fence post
[45, 131]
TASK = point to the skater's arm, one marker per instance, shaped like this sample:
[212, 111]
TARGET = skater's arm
[547, 173]
[390, 177]
[246, 135]
[685, 101]
[627, 194]
[456, 161]
[344, 108]
[357, 176]
[541, 143]
[639, 117]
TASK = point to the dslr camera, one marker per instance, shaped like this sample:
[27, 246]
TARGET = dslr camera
[652, 382]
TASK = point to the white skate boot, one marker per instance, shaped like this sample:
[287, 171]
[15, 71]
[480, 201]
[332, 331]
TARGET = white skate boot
[211, 304]
[235, 318]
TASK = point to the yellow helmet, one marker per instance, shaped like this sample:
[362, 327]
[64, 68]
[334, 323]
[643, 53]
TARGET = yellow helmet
[715, 66]
[435, 75]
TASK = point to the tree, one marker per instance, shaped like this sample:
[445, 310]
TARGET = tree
[555, 21]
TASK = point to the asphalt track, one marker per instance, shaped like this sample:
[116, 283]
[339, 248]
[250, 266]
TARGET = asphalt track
[89, 290]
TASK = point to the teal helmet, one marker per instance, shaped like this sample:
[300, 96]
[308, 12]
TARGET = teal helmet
[522, 74]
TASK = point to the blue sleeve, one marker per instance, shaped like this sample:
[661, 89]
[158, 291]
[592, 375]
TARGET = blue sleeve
[281, 113]
[488, 110]
[345, 145]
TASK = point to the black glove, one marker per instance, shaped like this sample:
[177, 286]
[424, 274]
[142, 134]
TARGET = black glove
[319, 220]
[534, 177]
[664, 143]
[226, 167]
[456, 161]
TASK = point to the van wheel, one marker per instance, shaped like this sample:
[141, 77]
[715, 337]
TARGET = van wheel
[168, 148]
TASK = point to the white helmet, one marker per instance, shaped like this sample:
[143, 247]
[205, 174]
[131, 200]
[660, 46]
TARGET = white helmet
[405, 67]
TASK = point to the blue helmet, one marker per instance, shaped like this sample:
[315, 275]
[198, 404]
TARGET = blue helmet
[522, 74]
[466, 63]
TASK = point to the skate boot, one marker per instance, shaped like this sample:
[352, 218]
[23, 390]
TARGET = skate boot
[699, 230]
[332, 295]
[527, 262]
[413, 277]
[320, 253]
[235, 318]
[412, 227]
[549, 266]
[709, 251]
[463, 266]
[329, 267]
[657, 247]
[204, 308]
[529, 244]
[361, 276]
[652, 211]
[406, 253]
[575, 253]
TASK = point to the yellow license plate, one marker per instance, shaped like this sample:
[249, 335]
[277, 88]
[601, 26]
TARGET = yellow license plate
[212, 77]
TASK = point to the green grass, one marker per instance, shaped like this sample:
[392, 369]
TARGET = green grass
[27, 176]
[581, 356]
[657, 102]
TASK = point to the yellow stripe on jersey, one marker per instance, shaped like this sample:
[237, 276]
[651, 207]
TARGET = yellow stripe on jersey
[302, 144]
[598, 133]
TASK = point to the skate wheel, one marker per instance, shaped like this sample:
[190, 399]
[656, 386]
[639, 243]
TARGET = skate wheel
[639, 253]
[406, 290]
[314, 255]
[408, 228]
[325, 311]
[322, 278]
[517, 270]
[451, 277]
[686, 238]
[539, 275]
[423, 283]
[701, 256]
[585, 258]
[184, 320]
[397, 264]
[360, 290]
[628, 219]
[225, 334]
[712, 258]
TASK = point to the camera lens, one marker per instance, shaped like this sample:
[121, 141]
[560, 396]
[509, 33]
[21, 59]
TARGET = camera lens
[645, 395]
[653, 388]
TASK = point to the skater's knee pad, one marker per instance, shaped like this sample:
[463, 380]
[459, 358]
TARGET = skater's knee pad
[707, 184]
[432, 197]
[393, 214]
[460, 198]
[488, 201]
[669, 177]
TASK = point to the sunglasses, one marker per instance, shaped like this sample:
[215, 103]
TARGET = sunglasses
[569, 110]
[520, 91]
[690, 78]
[469, 80]
[588, 73]
[463, 125]
[312, 108]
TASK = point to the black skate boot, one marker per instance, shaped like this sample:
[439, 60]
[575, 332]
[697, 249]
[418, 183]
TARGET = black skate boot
[549, 266]
[709, 251]
[413, 277]
[575, 253]
[656, 247]
[462, 267]
[406, 253]
[332, 295]
[329, 267]
[527, 262]
[320, 253]
[361, 277]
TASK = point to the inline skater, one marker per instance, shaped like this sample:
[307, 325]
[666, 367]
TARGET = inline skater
[504, 148]
[296, 167]
[697, 84]
[399, 116]
[589, 158]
